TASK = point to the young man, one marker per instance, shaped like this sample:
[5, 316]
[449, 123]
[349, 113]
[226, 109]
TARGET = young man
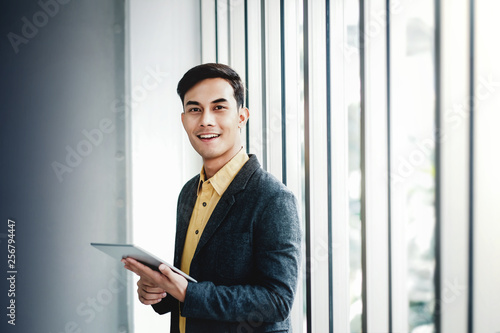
[238, 231]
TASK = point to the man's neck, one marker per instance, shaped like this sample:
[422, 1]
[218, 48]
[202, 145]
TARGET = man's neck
[211, 167]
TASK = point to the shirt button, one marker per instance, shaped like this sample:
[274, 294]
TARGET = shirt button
[204, 204]
[196, 232]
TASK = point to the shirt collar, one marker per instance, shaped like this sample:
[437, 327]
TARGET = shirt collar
[221, 180]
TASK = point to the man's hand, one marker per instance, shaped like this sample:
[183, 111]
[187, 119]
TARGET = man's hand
[153, 285]
[148, 293]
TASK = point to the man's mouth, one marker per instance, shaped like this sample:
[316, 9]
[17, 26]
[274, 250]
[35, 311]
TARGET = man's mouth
[208, 136]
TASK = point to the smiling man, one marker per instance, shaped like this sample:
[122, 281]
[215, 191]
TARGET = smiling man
[238, 231]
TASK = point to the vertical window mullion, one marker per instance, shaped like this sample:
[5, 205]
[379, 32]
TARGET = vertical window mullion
[292, 113]
[339, 138]
[472, 164]
[283, 91]
[238, 46]
[255, 79]
[307, 166]
[374, 167]
[222, 30]
[399, 262]
[264, 83]
[273, 124]
[414, 207]
[247, 100]
[316, 164]
[485, 178]
[438, 154]
[208, 31]
[453, 159]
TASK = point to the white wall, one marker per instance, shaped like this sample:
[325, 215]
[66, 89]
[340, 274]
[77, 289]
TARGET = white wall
[164, 42]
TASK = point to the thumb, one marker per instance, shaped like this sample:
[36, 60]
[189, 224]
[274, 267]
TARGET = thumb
[165, 270]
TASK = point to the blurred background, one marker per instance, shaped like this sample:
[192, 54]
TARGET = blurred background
[380, 116]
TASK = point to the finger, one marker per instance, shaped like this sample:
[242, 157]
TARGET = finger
[143, 283]
[146, 301]
[169, 273]
[148, 281]
[177, 284]
[132, 262]
[128, 264]
[165, 270]
[147, 298]
[133, 265]
[140, 269]
[151, 295]
[152, 289]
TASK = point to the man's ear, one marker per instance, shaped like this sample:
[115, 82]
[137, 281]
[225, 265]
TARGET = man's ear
[243, 115]
[182, 119]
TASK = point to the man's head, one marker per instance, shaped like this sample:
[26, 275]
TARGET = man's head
[212, 97]
[210, 71]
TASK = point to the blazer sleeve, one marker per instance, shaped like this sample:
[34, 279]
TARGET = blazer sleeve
[276, 246]
[167, 304]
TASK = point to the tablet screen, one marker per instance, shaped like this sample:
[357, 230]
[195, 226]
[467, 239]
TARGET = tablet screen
[121, 251]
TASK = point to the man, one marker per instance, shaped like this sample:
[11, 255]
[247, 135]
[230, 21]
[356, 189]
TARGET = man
[238, 231]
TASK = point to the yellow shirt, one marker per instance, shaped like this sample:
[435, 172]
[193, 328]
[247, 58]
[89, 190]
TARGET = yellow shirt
[209, 193]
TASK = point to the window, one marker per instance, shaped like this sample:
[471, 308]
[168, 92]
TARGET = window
[350, 102]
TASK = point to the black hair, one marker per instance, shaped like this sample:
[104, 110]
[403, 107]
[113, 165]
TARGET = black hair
[210, 71]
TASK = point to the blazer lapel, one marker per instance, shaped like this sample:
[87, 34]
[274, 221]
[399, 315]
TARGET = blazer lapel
[226, 201]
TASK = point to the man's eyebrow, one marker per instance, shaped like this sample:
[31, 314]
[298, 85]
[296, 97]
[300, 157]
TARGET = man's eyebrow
[219, 100]
[192, 103]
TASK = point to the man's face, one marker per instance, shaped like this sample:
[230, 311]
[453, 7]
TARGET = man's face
[212, 120]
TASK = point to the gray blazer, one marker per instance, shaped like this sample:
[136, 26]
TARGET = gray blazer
[247, 260]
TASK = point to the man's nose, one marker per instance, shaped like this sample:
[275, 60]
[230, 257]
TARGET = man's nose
[207, 118]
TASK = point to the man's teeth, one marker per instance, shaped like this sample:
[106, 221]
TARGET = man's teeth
[209, 136]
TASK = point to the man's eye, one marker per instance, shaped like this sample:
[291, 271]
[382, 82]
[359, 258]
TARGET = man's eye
[220, 107]
[194, 110]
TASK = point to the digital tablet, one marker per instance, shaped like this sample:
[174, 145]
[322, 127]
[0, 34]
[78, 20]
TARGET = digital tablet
[122, 251]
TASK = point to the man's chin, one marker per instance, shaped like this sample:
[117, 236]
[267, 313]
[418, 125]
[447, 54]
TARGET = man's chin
[208, 155]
